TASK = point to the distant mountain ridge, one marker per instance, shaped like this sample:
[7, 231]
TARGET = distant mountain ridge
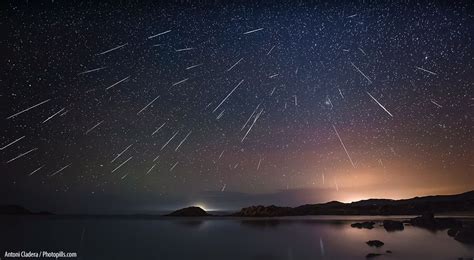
[463, 202]
[12, 209]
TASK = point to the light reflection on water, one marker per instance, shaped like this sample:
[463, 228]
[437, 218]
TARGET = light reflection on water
[222, 238]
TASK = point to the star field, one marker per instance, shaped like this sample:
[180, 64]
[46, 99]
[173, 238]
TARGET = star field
[140, 103]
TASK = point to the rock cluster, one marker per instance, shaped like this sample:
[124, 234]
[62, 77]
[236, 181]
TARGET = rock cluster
[262, 211]
[463, 234]
[428, 221]
[366, 224]
[392, 225]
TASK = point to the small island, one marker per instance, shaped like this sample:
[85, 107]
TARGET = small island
[189, 212]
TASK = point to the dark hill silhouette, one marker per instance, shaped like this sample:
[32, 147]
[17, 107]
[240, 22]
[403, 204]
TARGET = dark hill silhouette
[458, 203]
[189, 212]
[12, 209]
[463, 202]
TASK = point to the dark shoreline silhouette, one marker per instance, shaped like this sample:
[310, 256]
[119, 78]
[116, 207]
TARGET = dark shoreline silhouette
[437, 204]
[12, 209]
[425, 208]
[459, 203]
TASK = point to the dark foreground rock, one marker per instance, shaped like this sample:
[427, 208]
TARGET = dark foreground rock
[392, 225]
[464, 234]
[372, 255]
[189, 212]
[375, 243]
[428, 221]
[366, 224]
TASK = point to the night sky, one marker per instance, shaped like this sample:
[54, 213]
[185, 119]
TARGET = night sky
[128, 106]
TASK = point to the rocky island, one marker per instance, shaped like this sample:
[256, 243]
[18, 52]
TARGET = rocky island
[189, 212]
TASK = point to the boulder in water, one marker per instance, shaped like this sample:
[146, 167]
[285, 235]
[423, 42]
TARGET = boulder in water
[375, 243]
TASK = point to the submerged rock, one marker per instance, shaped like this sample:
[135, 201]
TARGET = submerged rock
[453, 231]
[372, 255]
[366, 224]
[375, 243]
[391, 225]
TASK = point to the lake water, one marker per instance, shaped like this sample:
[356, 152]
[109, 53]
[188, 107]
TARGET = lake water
[221, 238]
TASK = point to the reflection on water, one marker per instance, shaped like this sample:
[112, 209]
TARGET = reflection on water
[221, 238]
[275, 222]
[193, 223]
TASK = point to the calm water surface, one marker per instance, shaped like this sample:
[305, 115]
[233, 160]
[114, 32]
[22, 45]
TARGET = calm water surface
[222, 238]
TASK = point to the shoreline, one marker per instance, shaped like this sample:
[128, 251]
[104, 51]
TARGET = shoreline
[466, 217]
